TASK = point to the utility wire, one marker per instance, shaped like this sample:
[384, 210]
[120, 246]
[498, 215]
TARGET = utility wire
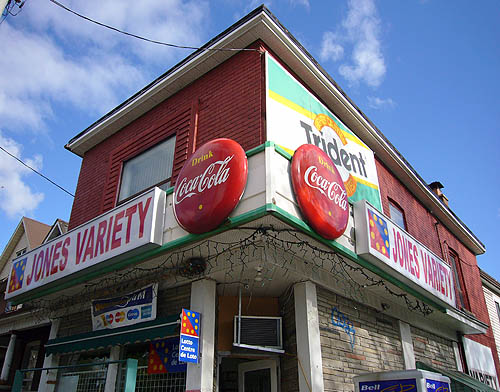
[146, 39]
[37, 172]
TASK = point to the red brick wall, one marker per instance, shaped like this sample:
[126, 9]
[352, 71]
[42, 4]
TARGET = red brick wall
[227, 102]
[422, 225]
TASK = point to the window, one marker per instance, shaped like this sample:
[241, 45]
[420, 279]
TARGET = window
[457, 274]
[21, 252]
[498, 310]
[151, 168]
[397, 215]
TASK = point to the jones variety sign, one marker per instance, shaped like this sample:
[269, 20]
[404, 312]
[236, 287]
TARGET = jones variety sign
[107, 238]
[320, 191]
[210, 185]
[127, 309]
[399, 254]
[295, 117]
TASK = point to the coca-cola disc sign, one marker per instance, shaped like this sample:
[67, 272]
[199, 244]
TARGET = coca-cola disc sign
[210, 185]
[320, 191]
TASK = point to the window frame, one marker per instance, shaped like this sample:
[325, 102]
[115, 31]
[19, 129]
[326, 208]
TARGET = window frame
[461, 297]
[21, 252]
[396, 207]
[138, 154]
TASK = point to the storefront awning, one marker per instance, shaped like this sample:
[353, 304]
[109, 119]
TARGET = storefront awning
[466, 382]
[143, 332]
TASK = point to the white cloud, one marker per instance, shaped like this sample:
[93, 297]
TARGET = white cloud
[16, 197]
[330, 47]
[361, 30]
[304, 3]
[55, 58]
[380, 103]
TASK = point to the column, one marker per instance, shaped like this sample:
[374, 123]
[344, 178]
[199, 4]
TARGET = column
[200, 376]
[48, 378]
[310, 367]
[407, 345]
[7, 363]
[458, 361]
[112, 373]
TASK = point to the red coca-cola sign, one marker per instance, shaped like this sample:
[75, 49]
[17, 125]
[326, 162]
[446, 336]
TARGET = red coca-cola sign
[320, 191]
[210, 185]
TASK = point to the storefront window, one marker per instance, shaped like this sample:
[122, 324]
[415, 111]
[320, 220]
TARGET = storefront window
[151, 168]
[87, 378]
[171, 378]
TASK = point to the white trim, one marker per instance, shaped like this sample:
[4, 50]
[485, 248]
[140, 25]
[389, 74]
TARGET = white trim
[407, 345]
[308, 338]
[260, 348]
[200, 376]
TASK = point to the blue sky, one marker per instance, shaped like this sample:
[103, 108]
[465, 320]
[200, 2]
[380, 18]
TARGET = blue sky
[424, 71]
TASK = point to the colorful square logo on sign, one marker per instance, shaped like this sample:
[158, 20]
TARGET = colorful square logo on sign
[379, 234]
[164, 356]
[17, 275]
[190, 323]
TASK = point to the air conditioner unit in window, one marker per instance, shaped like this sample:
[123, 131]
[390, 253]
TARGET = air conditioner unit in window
[258, 333]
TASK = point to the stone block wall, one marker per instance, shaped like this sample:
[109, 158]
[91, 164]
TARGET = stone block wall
[359, 340]
[433, 350]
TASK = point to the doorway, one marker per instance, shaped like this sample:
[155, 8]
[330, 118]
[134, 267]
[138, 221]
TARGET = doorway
[257, 376]
[248, 374]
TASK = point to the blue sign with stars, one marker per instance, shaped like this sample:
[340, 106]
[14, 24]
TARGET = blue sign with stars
[190, 336]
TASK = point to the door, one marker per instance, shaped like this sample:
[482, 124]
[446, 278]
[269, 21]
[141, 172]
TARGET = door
[258, 376]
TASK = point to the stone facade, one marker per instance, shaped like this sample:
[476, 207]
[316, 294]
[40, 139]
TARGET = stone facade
[433, 350]
[372, 344]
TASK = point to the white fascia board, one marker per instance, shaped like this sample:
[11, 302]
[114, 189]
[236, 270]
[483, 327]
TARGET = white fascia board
[471, 325]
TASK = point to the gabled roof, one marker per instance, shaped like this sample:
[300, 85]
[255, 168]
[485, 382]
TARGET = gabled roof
[59, 227]
[35, 233]
[261, 24]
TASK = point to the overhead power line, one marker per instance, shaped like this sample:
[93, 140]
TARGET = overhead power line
[36, 171]
[143, 38]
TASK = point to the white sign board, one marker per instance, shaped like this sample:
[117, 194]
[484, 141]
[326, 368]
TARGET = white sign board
[480, 363]
[137, 224]
[294, 116]
[399, 254]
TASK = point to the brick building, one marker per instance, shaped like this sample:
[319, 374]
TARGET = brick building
[280, 304]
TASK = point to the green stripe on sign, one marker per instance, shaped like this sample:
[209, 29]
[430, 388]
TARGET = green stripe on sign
[285, 85]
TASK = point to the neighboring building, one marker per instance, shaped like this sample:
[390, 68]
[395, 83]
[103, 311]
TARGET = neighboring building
[22, 338]
[283, 306]
[491, 289]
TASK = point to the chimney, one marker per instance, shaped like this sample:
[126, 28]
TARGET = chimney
[436, 187]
